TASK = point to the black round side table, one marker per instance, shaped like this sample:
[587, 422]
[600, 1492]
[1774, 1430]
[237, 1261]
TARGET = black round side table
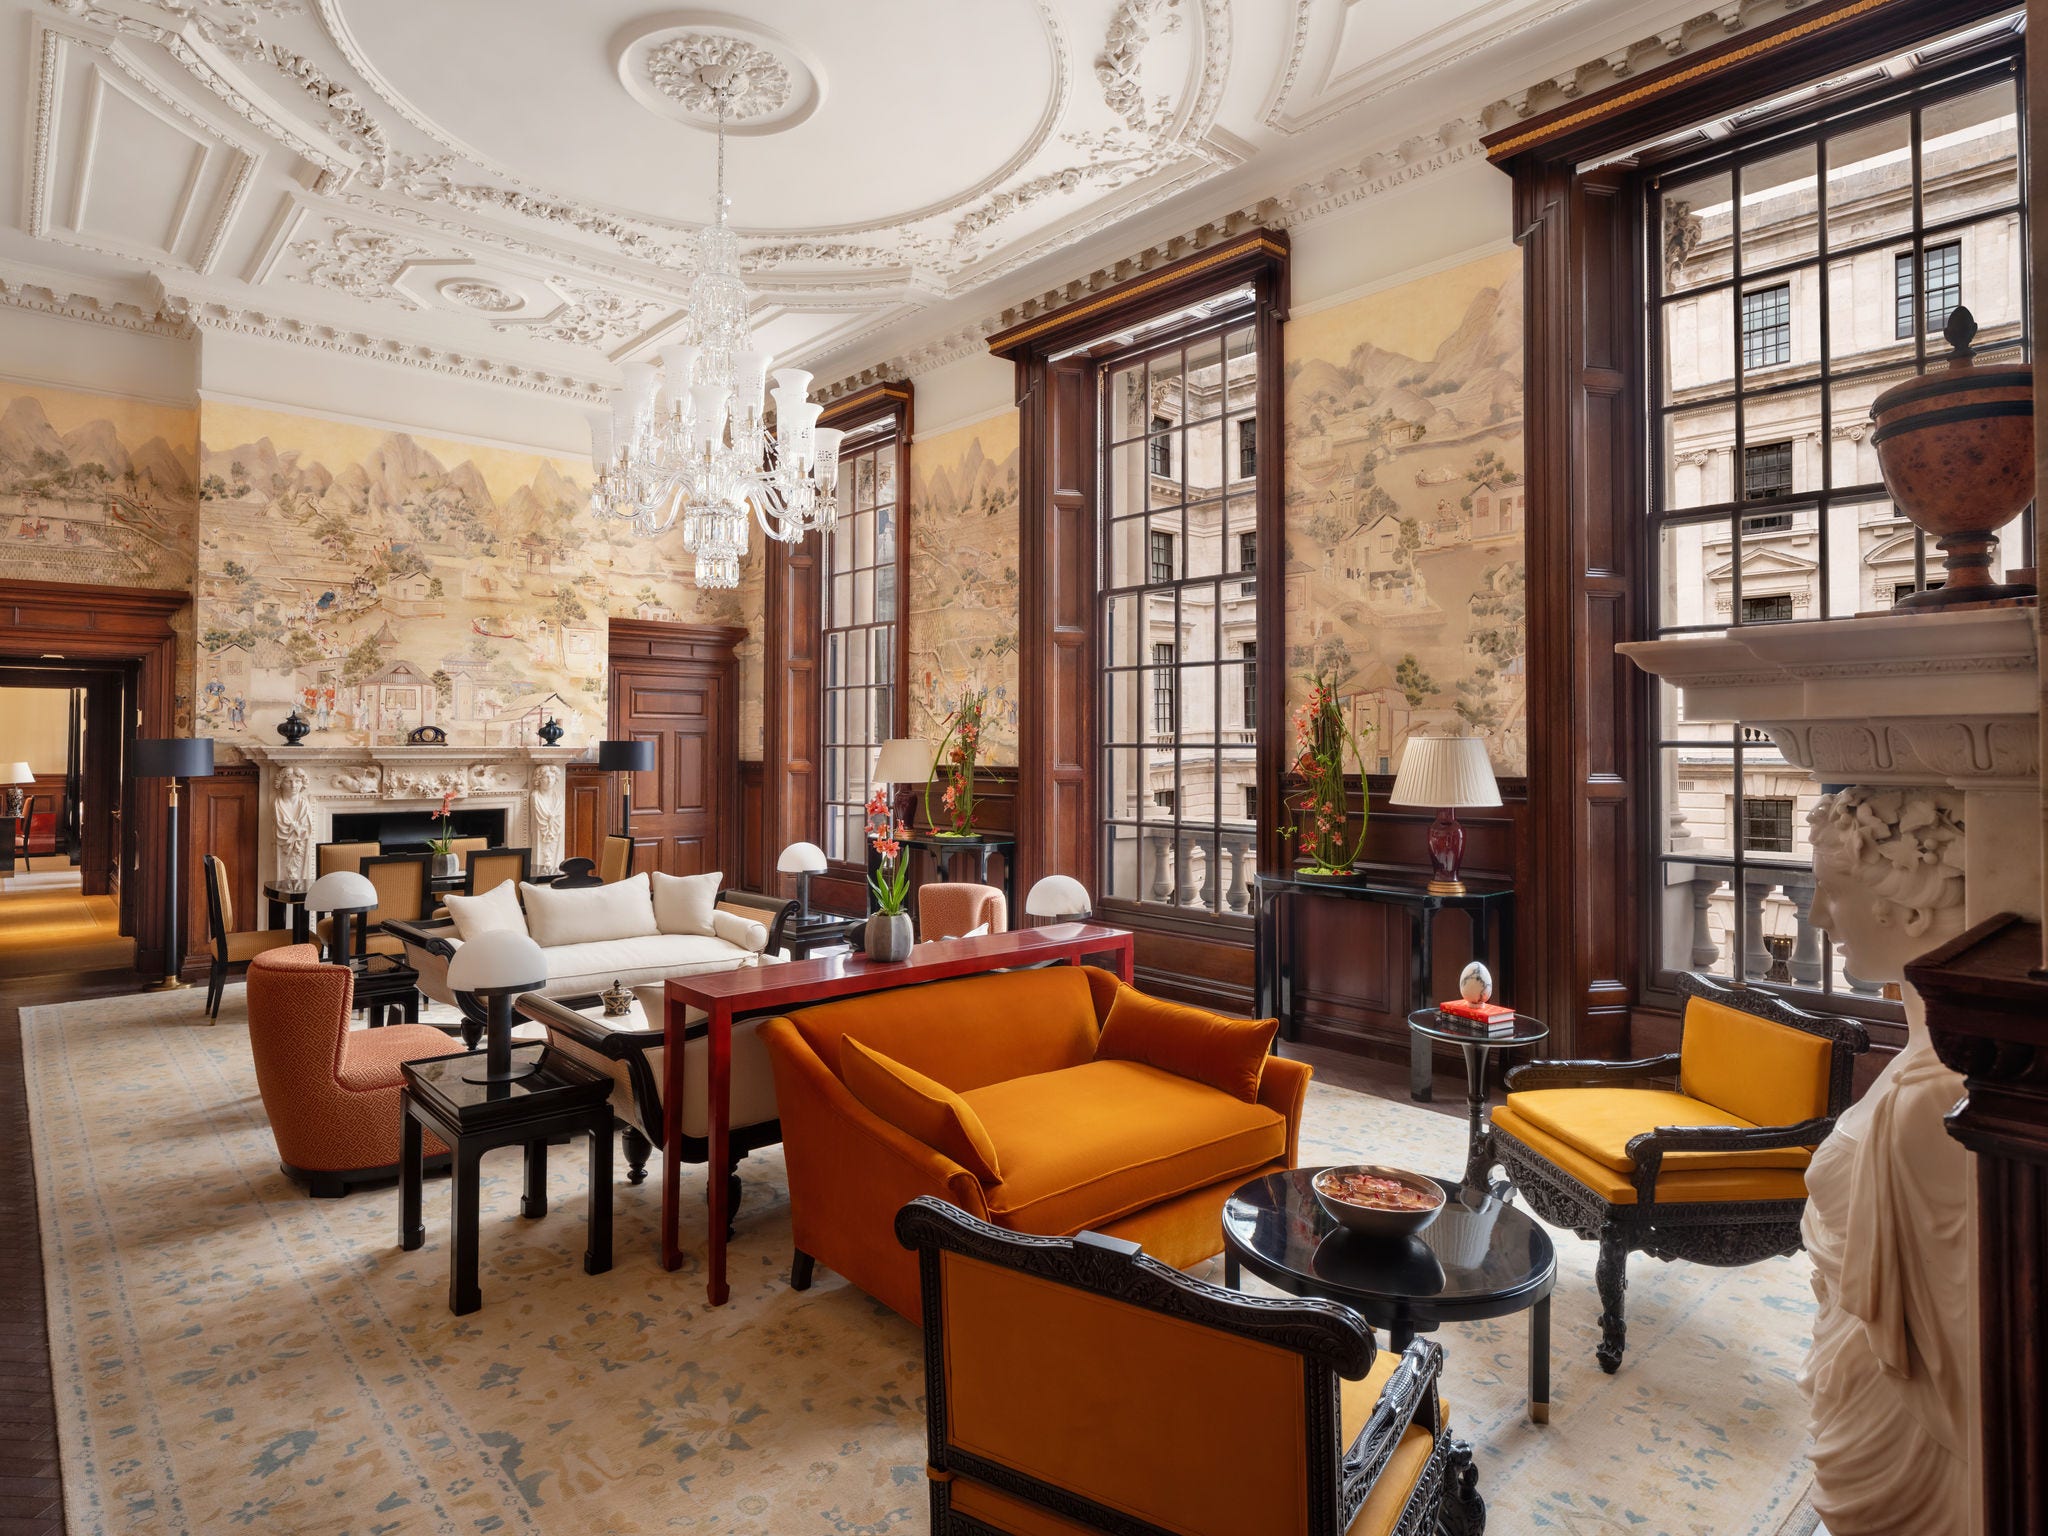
[1480, 1258]
[1478, 1045]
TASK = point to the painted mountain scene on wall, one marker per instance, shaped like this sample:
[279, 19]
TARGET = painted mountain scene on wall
[963, 580]
[1405, 509]
[381, 582]
[96, 489]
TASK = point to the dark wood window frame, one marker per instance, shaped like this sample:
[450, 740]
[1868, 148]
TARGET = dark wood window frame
[1059, 546]
[1582, 888]
[793, 618]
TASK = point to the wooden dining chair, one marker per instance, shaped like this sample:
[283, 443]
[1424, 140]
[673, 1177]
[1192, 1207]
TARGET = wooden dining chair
[615, 858]
[487, 868]
[230, 945]
[401, 882]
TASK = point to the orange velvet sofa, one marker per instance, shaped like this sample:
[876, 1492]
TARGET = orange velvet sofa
[1117, 1146]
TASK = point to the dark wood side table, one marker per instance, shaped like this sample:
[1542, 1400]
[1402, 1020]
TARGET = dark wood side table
[823, 931]
[945, 850]
[283, 894]
[559, 1098]
[1489, 903]
[1480, 1258]
[1478, 1046]
[385, 983]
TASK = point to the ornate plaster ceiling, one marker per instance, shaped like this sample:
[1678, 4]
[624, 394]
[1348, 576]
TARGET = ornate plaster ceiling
[515, 181]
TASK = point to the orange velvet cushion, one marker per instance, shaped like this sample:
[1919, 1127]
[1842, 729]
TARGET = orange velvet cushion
[964, 1033]
[919, 1107]
[1227, 1054]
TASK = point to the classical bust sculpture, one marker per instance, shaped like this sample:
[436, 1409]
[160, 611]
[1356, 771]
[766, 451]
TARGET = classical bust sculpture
[293, 820]
[1892, 1374]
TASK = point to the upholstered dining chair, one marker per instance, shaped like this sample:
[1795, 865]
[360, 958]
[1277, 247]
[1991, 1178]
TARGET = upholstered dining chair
[230, 947]
[401, 882]
[331, 1093]
[329, 857]
[1697, 1155]
[1076, 1384]
[615, 858]
[487, 868]
[463, 847]
[946, 909]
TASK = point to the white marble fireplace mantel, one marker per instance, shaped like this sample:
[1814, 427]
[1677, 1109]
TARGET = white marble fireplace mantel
[304, 786]
[1893, 699]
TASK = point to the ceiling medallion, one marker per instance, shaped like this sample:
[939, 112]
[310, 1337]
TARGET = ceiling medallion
[764, 84]
[474, 293]
[760, 81]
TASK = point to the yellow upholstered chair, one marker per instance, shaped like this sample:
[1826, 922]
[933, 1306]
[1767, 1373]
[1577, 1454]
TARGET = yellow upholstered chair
[488, 868]
[1700, 1155]
[229, 946]
[329, 857]
[946, 909]
[401, 882]
[1076, 1385]
[615, 858]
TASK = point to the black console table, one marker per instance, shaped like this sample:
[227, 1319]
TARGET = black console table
[1489, 903]
[944, 850]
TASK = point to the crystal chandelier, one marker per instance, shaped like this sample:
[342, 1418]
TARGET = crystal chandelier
[688, 442]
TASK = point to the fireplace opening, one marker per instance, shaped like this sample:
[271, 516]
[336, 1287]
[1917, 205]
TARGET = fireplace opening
[408, 831]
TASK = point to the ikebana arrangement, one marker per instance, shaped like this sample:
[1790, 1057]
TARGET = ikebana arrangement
[443, 843]
[1321, 733]
[888, 934]
[954, 762]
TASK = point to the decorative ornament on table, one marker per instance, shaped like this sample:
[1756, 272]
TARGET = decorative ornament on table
[1475, 983]
[1957, 452]
[1321, 805]
[618, 1002]
[1474, 1003]
[443, 845]
[294, 727]
[888, 936]
[954, 762]
[550, 730]
[426, 736]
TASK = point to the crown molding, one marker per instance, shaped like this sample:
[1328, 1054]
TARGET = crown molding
[44, 292]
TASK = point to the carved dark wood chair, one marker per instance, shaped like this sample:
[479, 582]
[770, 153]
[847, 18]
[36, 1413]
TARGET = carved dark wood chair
[1698, 1155]
[1075, 1384]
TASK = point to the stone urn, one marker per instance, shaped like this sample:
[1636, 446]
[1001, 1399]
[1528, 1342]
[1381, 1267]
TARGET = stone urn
[1957, 449]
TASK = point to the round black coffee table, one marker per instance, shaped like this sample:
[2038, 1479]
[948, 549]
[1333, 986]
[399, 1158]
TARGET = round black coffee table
[1480, 1258]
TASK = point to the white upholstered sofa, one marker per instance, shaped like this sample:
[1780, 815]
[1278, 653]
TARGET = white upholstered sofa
[635, 931]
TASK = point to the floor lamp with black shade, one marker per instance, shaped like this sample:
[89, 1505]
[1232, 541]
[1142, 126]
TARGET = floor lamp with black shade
[626, 758]
[172, 758]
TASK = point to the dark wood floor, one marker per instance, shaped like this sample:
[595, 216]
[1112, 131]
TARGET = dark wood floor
[31, 1476]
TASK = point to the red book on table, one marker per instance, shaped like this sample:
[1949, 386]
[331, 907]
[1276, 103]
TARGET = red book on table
[1478, 1013]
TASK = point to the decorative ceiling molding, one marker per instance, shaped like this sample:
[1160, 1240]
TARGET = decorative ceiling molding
[360, 262]
[45, 293]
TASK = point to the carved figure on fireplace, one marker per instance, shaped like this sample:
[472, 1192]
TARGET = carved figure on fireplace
[359, 781]
[1892, 1374]
[292, 815]
[547, 817]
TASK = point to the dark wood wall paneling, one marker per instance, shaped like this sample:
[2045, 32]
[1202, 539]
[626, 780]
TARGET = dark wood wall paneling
[220, 818]
[677, 685]
[1059, 411]
[589, 810]
[42, 621]
[1582, 886]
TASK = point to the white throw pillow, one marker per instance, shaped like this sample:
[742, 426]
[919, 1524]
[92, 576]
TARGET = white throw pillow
[684, 903]
[978, 931]
[741, 931]
[495, 909]
[621, 910]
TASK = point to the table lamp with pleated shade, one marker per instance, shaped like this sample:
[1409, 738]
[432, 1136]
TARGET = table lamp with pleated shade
[1448, 772]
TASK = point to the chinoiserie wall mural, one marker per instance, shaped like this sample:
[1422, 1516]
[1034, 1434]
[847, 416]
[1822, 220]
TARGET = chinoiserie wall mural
[1405, 509]
[100, 489]
[963, 579]
[381, 581]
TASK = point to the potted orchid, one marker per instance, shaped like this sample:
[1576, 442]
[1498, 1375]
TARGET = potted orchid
[1320, 806]
[888, 936]
[442, 844]
[954, 763]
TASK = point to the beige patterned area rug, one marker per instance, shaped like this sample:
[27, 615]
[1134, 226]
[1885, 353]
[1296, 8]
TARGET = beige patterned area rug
[231, 1355]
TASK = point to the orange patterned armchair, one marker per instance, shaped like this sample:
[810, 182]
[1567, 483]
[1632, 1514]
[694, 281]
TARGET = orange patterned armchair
[331, 1093]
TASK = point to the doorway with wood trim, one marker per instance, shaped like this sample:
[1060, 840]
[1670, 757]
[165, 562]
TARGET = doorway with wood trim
[677, 685]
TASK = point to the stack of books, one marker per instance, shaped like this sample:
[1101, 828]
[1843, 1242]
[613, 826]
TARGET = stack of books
[1482, 1018]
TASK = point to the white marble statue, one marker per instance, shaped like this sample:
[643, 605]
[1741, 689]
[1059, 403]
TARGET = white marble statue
[292, 816]
[1892, 1375]
[547, 817]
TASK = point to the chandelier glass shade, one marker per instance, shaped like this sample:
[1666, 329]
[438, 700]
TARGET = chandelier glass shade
[688, 443]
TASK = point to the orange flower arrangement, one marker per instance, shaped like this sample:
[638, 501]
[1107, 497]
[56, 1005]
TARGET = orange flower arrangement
[1321, 807]
[955, 763]
[891, 883]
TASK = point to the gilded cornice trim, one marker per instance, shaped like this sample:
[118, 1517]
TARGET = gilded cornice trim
[1005, 341]
[1684, 75]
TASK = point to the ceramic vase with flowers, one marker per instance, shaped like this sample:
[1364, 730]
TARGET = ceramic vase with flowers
[1321, 806]
[888, 936]
[954, 763]
[442, 843]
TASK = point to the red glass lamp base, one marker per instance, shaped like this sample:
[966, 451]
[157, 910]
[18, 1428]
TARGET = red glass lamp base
[1446, 842]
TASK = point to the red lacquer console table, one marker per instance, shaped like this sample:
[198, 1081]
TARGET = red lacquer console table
[728, 995]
